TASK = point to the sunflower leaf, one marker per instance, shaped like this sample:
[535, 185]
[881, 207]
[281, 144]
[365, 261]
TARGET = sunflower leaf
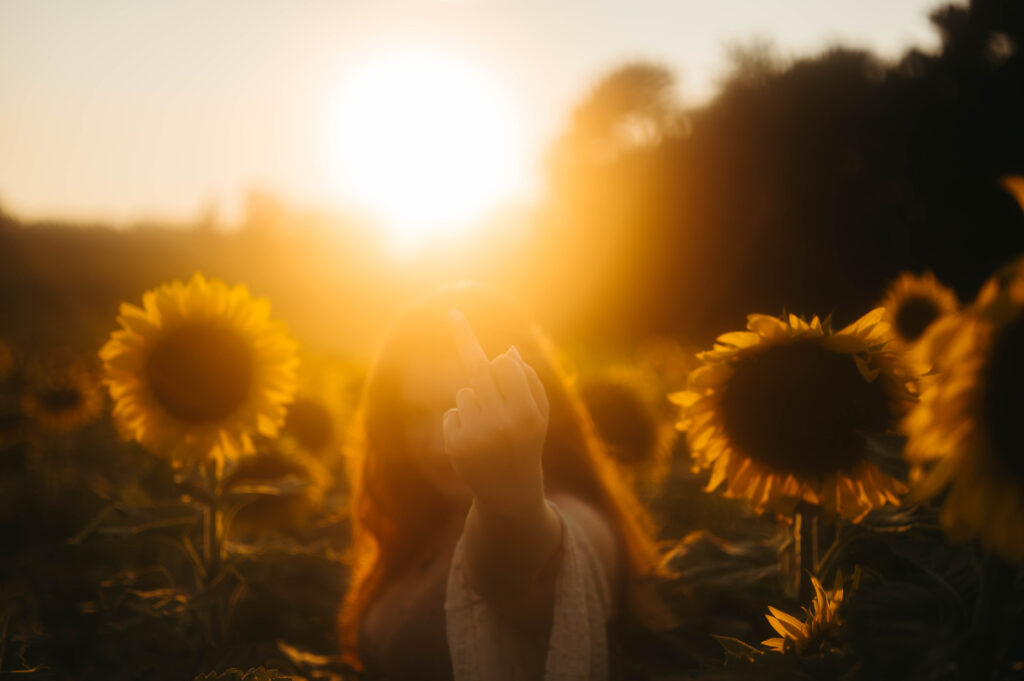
[286, 486]
[737, 648]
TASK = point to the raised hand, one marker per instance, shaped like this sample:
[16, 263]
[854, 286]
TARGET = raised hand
[495, 434]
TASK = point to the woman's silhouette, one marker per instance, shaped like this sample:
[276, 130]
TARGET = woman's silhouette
[491, 537]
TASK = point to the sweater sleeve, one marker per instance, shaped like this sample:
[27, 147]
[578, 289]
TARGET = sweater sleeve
[485, 647]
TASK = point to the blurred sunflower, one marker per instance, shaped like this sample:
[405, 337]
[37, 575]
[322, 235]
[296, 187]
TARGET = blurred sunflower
[311, 424]
[624, 406]
[912, 303]
[198, 369]
[327, 393]
[779, 413]
[965, 432]
[819, 632]
[63, 400]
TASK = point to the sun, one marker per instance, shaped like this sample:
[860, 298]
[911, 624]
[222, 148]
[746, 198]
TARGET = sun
[426, 142]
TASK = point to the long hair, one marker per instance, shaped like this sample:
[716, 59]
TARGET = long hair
[395, 511]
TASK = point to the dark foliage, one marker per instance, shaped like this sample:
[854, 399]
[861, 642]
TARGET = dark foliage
[806, 186]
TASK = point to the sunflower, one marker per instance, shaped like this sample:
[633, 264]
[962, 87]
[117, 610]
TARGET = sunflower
[64, 400]
[322, 407]
[819, 632]
[965, 432]
[311, 424]
[779, 413]
[198, 369]
[912, 303]
[637, 433]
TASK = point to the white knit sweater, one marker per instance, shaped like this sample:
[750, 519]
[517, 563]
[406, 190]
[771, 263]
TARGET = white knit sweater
[485, 648]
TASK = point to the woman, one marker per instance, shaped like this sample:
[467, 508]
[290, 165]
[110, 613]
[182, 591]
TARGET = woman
[490, 534]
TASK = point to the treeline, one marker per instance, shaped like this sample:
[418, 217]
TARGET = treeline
[804, 185]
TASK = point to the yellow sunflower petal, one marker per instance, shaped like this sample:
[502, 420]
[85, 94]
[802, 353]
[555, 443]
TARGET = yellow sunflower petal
[739, 339]
[784, 623]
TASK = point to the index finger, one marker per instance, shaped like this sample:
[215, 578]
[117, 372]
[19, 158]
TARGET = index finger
[472, 354]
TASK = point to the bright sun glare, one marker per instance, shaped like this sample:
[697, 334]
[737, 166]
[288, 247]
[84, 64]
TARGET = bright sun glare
[426, 142]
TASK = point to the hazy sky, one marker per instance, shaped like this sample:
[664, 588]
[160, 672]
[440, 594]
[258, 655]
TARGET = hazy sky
[122, 109]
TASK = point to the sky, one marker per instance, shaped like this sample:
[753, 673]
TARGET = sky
[122, 110]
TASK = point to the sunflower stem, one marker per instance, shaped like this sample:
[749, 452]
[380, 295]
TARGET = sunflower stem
[821, 567]
[213, 548]
[806, 522]
[213, 522]
[814, 543]
[789, 557]
[808, 537]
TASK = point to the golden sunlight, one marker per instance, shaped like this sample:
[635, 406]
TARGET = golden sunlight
[426, 142]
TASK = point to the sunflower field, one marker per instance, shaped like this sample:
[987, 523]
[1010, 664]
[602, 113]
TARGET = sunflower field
[832, 502]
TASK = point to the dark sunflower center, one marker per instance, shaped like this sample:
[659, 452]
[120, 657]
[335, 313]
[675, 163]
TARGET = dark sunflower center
[200, 372]
[60, 398]
[309, 423]
[799, 408]
[1001, 406]
[913, 316]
